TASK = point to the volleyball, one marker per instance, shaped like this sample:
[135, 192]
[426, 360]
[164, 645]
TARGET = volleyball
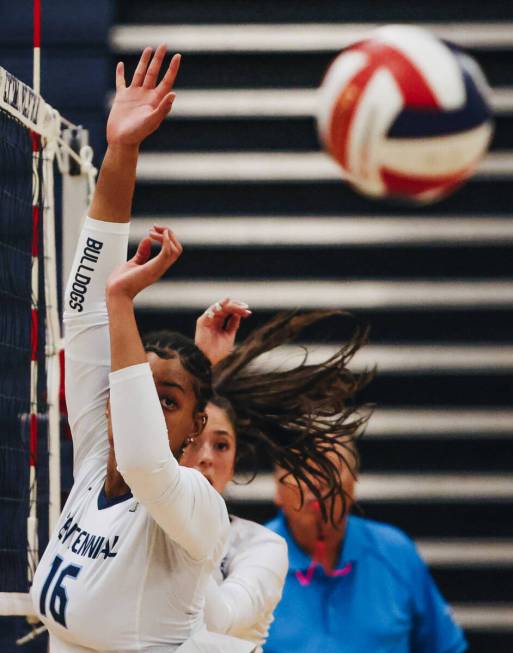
[405, 115]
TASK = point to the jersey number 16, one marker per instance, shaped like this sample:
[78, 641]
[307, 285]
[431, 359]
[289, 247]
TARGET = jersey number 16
[58, 598]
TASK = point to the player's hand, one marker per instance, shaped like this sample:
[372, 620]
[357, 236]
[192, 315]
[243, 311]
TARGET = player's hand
[142, 271]
[217, 328]
[138, 109]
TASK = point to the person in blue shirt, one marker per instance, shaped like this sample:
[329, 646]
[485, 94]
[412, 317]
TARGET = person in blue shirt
[358, 586]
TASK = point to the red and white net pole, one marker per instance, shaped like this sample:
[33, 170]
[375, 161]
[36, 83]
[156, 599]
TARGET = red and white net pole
[47, 150]
[36, 79]
[32, 535]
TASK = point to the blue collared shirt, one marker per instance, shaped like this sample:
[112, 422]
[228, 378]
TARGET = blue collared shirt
[383, 600]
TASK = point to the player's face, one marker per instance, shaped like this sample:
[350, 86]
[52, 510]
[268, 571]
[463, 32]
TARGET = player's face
[213, 452]
[307, 516]
[175, 388]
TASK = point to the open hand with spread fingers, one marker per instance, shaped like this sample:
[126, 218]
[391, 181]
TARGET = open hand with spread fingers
[141, 270]
[217, 328]
[139, 109]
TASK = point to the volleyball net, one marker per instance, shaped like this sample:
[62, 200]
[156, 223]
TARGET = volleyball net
[35, 143]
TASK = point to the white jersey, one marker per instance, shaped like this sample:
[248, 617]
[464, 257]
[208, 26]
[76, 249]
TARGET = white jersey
[130, 573]
[249, 583]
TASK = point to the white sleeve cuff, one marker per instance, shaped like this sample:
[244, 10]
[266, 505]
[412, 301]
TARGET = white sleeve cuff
[101, 226]
[129, 373]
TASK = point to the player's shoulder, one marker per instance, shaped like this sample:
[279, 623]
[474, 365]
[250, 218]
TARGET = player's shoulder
[257, 545]
[254, 534]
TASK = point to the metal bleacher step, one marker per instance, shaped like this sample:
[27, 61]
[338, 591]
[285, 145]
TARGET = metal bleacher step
[398, 359]
[291, 294]
[282, 166]
[475, 552]
[355, 231]
[391, 488]
[289, 37]
[291, 55]
[217, 103]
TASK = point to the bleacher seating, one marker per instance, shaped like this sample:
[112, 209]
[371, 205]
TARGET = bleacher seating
[238, 172]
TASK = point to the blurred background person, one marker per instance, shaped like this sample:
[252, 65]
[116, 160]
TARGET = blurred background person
[354, 585]
[245, 590]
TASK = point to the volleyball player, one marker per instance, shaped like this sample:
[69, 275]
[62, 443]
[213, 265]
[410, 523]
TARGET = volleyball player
[127, 568]
[244, 591]
[129, 563]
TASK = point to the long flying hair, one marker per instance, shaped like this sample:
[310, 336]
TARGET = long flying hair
[300, 415]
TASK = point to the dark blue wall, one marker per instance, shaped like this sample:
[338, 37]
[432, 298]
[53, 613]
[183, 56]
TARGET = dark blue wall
[75, 69]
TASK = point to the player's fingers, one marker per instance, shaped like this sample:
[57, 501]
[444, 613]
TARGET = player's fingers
[235, 306]
[232, 307]
[158, 265]
[167, 82]
[154, 235]
[157, 233]
[219, 312]
[232, 325]
[174, 245]
[174, 241]
[209, 313]
[164, 107]
[140, 71]
[150, 79]
[120, 76]
[143, 252]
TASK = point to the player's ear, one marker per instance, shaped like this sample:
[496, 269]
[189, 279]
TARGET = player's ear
[200, 421]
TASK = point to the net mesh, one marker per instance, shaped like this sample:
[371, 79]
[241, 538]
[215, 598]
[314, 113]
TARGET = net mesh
[18, 177]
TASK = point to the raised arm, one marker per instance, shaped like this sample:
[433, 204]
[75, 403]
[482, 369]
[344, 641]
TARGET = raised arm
[180, 500]
[136, 112]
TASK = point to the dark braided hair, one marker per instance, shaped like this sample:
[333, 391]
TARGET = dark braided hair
[298, 416]
[167, 343]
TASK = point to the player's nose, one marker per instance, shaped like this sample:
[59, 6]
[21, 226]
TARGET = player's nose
[205, 455]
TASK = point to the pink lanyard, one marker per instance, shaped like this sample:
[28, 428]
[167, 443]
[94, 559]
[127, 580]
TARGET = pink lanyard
[319, 554]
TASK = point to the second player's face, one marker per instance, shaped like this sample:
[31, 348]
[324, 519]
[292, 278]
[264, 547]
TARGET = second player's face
[178, 399]
[213, 452]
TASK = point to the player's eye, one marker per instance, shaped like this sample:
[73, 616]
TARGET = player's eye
[168, 403]
[222, 446]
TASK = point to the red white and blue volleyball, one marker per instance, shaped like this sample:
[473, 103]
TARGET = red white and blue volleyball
[405, 115]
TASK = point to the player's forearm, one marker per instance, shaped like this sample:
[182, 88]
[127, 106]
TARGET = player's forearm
[112, 200]
[125, 341]
[218, 611]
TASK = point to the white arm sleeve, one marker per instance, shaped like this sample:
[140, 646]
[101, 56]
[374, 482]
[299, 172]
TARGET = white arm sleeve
[181, 500]
[244, 602]
[101, 247]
